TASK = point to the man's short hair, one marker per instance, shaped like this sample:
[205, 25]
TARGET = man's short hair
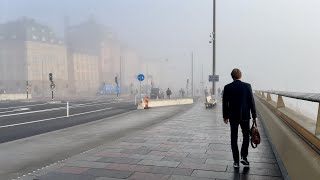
[236, 74]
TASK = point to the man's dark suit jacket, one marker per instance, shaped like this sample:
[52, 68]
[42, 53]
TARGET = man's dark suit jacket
[238, 101]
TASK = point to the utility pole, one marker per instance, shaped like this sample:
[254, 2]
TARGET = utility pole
[214, 46]
[202, 83]
[147, 80]
[192, 74]
[120, 78]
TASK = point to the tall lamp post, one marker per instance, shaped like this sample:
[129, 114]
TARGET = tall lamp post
[213, 41]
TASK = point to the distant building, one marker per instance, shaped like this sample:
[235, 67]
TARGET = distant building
[85, 77]
[90, 41]
[29, 51]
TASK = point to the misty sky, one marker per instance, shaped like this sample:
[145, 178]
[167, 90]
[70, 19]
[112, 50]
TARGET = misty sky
[276, 43]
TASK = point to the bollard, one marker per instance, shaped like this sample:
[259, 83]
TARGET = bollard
[67, 108]
[135, 100]
[147, 103]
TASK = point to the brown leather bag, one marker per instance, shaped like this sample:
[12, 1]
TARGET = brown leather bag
[255, 135]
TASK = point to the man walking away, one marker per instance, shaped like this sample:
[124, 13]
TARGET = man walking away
[237, 103]
[169, 93]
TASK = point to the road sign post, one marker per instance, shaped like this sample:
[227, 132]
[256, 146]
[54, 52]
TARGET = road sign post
[140, 78]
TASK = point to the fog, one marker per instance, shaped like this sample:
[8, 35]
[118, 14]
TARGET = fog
[275, 43]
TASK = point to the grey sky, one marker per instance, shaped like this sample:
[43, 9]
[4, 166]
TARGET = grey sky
[275, 42]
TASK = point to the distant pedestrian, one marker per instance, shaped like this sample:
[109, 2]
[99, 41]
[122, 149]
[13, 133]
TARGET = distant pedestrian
[180, 92]
[183, 92]
[169, 93]
[237, 103]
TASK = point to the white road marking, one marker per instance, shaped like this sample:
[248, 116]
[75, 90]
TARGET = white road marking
[15, 110]
[14, 107]
[55, 109]
[43, 120]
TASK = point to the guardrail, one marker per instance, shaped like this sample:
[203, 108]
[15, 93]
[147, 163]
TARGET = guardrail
[308, 128]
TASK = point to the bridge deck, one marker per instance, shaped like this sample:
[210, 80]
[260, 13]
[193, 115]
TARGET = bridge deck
[192, 146]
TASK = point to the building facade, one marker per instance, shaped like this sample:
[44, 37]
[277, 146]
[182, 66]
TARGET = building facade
[29, 51]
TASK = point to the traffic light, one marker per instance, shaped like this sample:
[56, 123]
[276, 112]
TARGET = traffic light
[50, 77]
[116, 79]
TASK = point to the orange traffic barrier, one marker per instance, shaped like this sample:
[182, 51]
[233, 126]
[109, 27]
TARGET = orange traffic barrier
[146, 103]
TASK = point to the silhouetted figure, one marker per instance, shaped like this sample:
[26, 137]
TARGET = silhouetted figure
[237, 102]
[169, 93]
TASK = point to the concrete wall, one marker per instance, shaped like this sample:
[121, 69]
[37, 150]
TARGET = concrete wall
[14, 96]
[298, 158]
[171, 102]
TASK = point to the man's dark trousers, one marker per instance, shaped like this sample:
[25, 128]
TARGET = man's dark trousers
[245, 126]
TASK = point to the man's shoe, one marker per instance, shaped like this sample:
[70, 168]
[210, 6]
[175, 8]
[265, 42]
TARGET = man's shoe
[245, 162]
[236, 165]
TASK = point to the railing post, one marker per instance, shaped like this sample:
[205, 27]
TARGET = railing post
[268, 97]
[318, 122]
[263, 96]
[280, 102]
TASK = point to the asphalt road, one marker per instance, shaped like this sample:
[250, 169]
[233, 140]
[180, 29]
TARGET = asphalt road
[28, 118]
[26, 155]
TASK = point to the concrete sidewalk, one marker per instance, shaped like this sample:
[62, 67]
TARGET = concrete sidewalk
[192, 146]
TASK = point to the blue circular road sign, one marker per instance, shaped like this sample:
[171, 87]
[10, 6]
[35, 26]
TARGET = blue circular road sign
[140, 77]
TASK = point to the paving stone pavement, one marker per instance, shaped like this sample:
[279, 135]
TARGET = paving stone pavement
[192, 146]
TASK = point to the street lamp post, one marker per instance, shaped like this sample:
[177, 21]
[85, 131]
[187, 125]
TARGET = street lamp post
[192, 94]
[120, 77]
[214, 46]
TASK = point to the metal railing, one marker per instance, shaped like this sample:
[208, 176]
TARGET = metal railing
[279, 107]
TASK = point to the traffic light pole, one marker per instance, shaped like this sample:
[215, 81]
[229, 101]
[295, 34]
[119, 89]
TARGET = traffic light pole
[51, 94]
[27, 90]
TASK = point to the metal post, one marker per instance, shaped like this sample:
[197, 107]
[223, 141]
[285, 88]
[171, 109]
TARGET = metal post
[27, 90]
[214, 46]
[192, 75]
[120, 78]
[147, 80]
[42, 80]
[67, 108]
[140, 89]
[202, 86]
